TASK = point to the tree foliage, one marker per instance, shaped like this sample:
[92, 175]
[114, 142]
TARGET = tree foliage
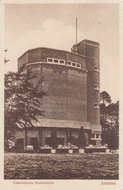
[105, 98]
[22, 101]
[109, 113]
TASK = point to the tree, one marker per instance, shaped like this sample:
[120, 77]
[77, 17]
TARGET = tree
[113, 120]
[105, 98]
[109, 117]
[22, 101]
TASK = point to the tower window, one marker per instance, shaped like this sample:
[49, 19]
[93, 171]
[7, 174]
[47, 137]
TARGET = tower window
[96, 87]
[78, 65]
[96, 68]
[97, 136]
[55, 60]
[96, 106]
[69, 63]
[73, 64]
[50, 60]
[62, 61]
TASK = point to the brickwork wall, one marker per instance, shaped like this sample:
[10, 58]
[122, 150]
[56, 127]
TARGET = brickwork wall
[34, 55]
[77, 95]
[22, 60]
[55, 103]
[91, 51]
[70, 92]
[66, 92]
[66, 87]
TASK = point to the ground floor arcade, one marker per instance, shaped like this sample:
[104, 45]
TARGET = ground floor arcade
[53, 137]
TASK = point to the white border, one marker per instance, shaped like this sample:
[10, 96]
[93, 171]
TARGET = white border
[63, 184]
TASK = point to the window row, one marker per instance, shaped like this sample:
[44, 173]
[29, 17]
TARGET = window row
[61, 61]
[69, 63]
[73, 64]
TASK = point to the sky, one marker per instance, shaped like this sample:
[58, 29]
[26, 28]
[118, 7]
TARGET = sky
[30, 26]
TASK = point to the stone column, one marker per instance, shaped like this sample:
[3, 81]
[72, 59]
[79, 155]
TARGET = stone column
[40, 136]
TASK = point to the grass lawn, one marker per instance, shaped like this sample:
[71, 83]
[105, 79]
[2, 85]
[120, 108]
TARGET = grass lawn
[60, 166]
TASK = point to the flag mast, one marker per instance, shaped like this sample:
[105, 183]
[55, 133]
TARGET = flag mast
[76, 31]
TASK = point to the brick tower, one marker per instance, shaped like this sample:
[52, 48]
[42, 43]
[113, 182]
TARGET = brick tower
[91, 52]
[71, 81]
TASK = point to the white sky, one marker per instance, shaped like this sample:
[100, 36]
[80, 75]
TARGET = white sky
[53, 25]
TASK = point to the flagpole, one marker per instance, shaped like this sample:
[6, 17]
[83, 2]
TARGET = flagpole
[76, 31]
